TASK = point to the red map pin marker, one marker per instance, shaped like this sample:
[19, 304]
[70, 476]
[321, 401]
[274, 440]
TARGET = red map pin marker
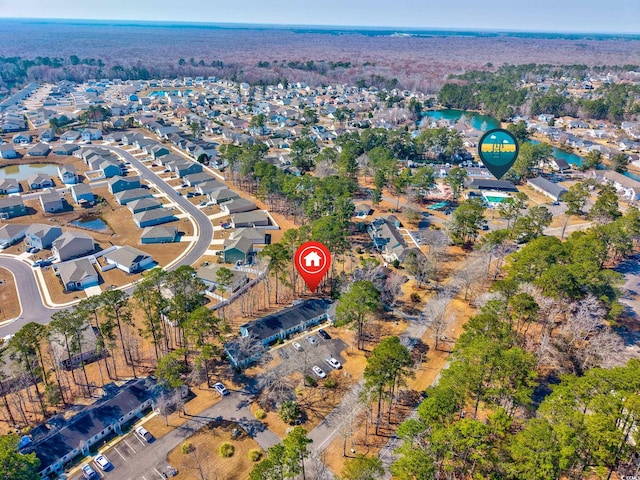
[312, 260]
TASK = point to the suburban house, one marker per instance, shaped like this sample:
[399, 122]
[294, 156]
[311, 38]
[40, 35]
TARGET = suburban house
[21, 139]
[11, 207]
[40, 180]
[157, 151]
[60, 440]
[209, 186]
[560, 165]
[544, 186]
[627, 187]
[67, 174]
[41, 236]
[238, 205]
[82, 194]
[126, 196]
[109, 168]
[9, 185]
[120, 184]
[198, 178]
[88, 349]
[72, 245]
[65, 149]
[77, 274]
[51, 202]
[142, 204]
[238, 250]
[7, 151]
[279, 325]
[156, 216]
[208, 275]
[70, 136]
[129, 259]
[388, 240]
[38, 150]
[47, 135]
[89, 134]
[258, 236]
[11, 233]
[159, 234]
[187, 168]
[257, 218]
[222, 195]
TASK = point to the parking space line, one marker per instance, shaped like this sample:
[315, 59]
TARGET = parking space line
[118, 452]
[138, 438]
[98, 470]
[161, 476]
[129, 445]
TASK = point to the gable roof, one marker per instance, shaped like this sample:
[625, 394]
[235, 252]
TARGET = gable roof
[547, 186]
[159, 231]
[75, 270]
[126, 256]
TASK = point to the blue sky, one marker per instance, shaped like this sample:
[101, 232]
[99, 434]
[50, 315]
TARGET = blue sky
[610, 16]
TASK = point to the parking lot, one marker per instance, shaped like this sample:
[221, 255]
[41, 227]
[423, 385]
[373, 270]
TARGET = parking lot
[129, 451]
[310, 355]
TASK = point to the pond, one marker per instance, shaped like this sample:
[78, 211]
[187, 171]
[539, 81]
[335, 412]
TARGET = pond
[476, 120]
[24, 171]
[571, 158]
[91, 223]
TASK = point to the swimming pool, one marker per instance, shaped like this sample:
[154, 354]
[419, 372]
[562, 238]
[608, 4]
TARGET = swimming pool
[495, 197]
[438, 206]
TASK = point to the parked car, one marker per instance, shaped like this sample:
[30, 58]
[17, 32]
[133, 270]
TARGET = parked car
[226, 226]
[296, 346]
[221, 389]
[144, 434]
[88, 472]
[333, 363]
[324, 334]
[312, 340]
[318, 371]
[103, 462]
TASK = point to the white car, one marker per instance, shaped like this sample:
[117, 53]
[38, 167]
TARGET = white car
[312, 340]
[333, 363]
[318, 371]
[144, 434]
[103, 462]
[297, 346]
[221, 389]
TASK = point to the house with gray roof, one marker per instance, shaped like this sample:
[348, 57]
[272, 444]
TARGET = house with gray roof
[387, 240]
[544, 186]
[77, 274]
[82, 194]
[41, 236]
[51, 202]
[491, 184]
[47, 135]
[7, 151]
[198, 178]
[65, 149]
[209, 186]
[239, 250]
[159, 234]
[156, 216]
[209, 276]
[238, 205]
[126, 196]
[223, 195]
[72, 245]
[38, 181]
[39, 150]
[67, 174]
[11, 207]
[258, 236]
[129, 259]
[109, 168]
[120, 184]
[70, 136]
[257, 218]
[143, 204]
[627, 187]
[11, 233]
[9, 185]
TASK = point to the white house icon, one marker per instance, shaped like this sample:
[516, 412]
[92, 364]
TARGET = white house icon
[312, 259]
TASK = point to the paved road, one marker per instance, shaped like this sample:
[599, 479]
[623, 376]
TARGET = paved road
[135, 459]
[33, 308]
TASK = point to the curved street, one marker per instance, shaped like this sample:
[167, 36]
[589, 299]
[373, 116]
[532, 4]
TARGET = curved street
[33, 308]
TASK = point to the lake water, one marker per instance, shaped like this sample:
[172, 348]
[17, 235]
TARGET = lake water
[24, 171]
[91, 223]
[477, 121]
[570, 158]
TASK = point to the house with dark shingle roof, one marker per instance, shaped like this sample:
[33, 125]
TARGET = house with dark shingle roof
[126, 196]
[12, 207]
[77, 274]
[159, 234]
[120, 184]
[128, 259]
[544, 186]
[59, 440]
[156, 216]
[9, 185]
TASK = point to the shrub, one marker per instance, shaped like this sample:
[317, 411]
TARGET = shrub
[415, 298]
[330, 383]
[309, 381]
[395, 263]
[260, 414]
[226, 450]
[187, 447]
[290, 412]
[255, 455]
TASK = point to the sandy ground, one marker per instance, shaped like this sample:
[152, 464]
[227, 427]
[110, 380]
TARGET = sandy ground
[9, 302]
